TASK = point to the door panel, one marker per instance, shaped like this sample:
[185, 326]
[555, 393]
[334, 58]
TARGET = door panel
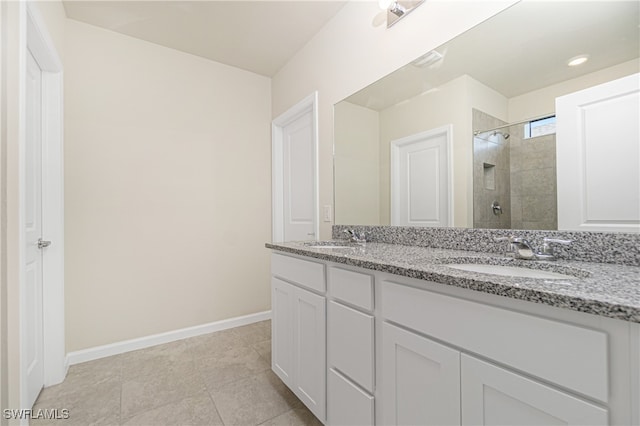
[299, 179]
[33, 231]
[598, 157]
[420, 187]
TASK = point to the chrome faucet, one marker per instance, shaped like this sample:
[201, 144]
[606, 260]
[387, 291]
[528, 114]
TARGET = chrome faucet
[546, 251]
[355, 236]
[520, 248]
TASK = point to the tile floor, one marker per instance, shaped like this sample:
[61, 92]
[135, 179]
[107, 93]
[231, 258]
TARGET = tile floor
[222, 378]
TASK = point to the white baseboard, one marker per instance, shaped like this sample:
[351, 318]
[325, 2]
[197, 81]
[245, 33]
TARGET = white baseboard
[98, 352]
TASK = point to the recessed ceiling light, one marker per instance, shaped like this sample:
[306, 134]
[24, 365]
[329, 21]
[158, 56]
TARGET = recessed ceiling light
[578, 60]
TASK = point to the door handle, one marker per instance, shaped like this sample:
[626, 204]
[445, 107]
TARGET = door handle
[42, 243]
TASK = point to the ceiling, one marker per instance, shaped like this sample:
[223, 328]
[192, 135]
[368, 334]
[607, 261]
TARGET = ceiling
[257, 36]
[522, 49]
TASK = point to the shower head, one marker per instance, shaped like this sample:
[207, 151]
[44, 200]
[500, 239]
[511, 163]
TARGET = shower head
[503, 134]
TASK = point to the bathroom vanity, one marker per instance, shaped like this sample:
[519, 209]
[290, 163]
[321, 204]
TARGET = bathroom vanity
[395, 334]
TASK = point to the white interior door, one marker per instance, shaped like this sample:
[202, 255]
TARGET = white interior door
[598, 157]
[33, 326]
[299, 179]
[421, 179]
[295, 194]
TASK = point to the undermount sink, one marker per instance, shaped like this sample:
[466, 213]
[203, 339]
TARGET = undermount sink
[332, 245]
[510, 271]
[321, 246]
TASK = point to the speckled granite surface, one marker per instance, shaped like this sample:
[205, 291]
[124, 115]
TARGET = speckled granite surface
[602, 289]
[601, 247]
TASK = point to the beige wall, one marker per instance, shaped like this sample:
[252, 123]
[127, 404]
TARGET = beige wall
[428, 111]
[451, 103]
[55, 18]
[167, 195]
[357, 165]
[350, 52]
[542, 101]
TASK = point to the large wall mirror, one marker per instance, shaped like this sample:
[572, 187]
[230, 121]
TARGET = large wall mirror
[472, 121]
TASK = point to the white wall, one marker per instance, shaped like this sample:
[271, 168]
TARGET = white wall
[167, 170]
[357, 165]
[350, 52]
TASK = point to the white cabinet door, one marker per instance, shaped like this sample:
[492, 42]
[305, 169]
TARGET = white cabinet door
[598, 157]
[421, 380]
[298, 343]
[310, 350]
[494, 396]
[282, 295]
[347, 403]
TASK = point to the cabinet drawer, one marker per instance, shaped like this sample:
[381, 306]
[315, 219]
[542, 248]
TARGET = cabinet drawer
[351, 346]
[347, 404]
[571, 356]
[302, 272]
[354, 288]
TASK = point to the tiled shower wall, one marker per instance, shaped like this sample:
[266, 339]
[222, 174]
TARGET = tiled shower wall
[533, 181]
[491, 174]
[518, 173]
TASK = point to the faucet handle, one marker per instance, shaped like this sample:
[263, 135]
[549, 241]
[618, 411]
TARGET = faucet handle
[557, 241]
[509, 248]
[499, 239]
[355, 236]
[546, 251]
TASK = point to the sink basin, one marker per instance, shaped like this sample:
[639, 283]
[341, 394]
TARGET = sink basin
[510, 271]
[332, 245]
[326, 246]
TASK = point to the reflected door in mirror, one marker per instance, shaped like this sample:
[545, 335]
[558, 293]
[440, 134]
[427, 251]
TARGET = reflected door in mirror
[420, 179]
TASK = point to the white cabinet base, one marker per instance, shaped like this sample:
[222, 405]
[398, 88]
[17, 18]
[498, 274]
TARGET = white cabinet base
[298, 343]
[421, 380]
[348, 404]
[494, 396]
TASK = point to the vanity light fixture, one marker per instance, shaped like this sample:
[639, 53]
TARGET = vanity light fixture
[398, 9]
[577, 60]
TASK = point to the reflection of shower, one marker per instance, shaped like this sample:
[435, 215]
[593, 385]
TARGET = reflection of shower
[504, 134]
[487, 133]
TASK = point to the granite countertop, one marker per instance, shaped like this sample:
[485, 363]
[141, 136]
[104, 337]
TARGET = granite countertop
[607, 290]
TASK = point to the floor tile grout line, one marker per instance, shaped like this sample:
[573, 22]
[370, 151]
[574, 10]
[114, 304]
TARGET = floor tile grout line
[277, 415]
[215, 405]
[224, 385]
